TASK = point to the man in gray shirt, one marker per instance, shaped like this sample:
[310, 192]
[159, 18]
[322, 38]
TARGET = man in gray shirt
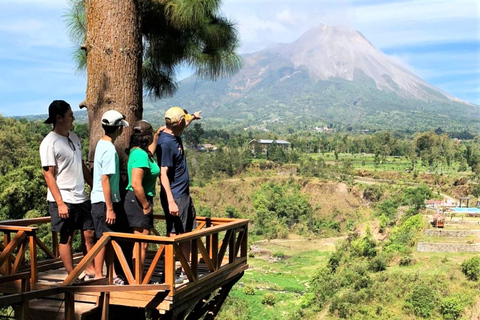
[65, 174]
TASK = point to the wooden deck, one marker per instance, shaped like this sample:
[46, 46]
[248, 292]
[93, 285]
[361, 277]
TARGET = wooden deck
[39, 288]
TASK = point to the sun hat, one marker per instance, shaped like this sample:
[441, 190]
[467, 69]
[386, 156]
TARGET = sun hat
[113, 118]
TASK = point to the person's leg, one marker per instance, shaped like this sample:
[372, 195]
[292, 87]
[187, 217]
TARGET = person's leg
[98, 217]
[66, 230]
[84, 212]
[143, 247]
[88, 241]
[65, 249]
[186, 222]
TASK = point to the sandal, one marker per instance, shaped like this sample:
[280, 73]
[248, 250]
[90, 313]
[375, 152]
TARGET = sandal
[118, 281]
[85, 277]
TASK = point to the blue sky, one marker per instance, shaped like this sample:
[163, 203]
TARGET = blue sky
[439, 40]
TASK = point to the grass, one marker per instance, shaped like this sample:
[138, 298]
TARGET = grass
[287, 278]
[390, 163]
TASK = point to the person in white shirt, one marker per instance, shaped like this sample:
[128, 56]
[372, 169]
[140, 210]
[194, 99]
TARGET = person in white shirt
[65, 174]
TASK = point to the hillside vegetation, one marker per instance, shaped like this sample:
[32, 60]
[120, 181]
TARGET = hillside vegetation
[335, 219]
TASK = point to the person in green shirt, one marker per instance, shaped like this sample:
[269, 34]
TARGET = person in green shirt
[142, 175]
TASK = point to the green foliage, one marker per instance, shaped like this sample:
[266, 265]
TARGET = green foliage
[387, 208]
[204, 212]
[379, 263]
[279, 255]
[232, 212]
[225, 162]
[383, 223]
[235, 309]
[422, 300]
[373, 192]
[279, 207]
[22, 187]
[324, 284]
[451, 308]
[249, 290]
[364, 247]
[402, 238]
[406, 261]
[269, 299]
[416, 197]
[471, 268]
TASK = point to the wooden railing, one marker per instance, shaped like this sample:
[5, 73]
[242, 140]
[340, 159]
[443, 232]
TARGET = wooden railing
[220, 244]
[211, 243]
[13, 250]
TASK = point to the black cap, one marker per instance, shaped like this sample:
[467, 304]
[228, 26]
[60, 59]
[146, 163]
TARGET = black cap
[57, 107]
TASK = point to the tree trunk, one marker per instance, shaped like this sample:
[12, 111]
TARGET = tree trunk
[114, 62]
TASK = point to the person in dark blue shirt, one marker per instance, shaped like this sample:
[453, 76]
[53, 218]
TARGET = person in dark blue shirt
[175, 194]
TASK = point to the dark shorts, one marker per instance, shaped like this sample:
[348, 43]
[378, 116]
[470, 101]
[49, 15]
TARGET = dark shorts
[80, 217]
[186, 219]
[134, 212]
[99, 215]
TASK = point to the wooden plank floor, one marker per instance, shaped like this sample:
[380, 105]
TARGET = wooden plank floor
[54, 277]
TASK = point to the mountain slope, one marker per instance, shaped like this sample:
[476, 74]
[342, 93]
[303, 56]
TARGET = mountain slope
[330, 74]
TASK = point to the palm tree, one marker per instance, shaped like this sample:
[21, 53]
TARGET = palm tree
[128, 46]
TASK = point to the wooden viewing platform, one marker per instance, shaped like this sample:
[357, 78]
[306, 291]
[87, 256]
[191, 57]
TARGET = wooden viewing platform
[34, 282]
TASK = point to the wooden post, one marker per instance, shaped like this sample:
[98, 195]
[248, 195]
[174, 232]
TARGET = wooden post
[194, 257]
[21, 311]
[138, 262]
[214, 256]
[33, 259]
[231, 248]
[106, 306]
[244, 246]
[69, 306]
[170, 268]
[6, 240]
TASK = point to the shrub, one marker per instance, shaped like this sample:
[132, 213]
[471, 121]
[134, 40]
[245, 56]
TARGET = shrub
[232, 212]
[373, 193]
[278, 255]
[406, 261]
[269, 299]
[378, 263]
[421, 301]
[324, 284]
[471, 268]
[364, 247]
[249, 290]
[387, 207]
[451, 308]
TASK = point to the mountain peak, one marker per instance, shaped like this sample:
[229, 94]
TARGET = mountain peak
[339, 52]
[331, 73]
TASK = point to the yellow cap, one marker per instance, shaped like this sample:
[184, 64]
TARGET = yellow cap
[176, 114]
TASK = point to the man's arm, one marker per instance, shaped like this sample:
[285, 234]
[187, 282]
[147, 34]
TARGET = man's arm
[48, 175]
[137, 178]
[87, 174]
[153, 146]
[172, 206]
[196, 115]
[107, 193]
